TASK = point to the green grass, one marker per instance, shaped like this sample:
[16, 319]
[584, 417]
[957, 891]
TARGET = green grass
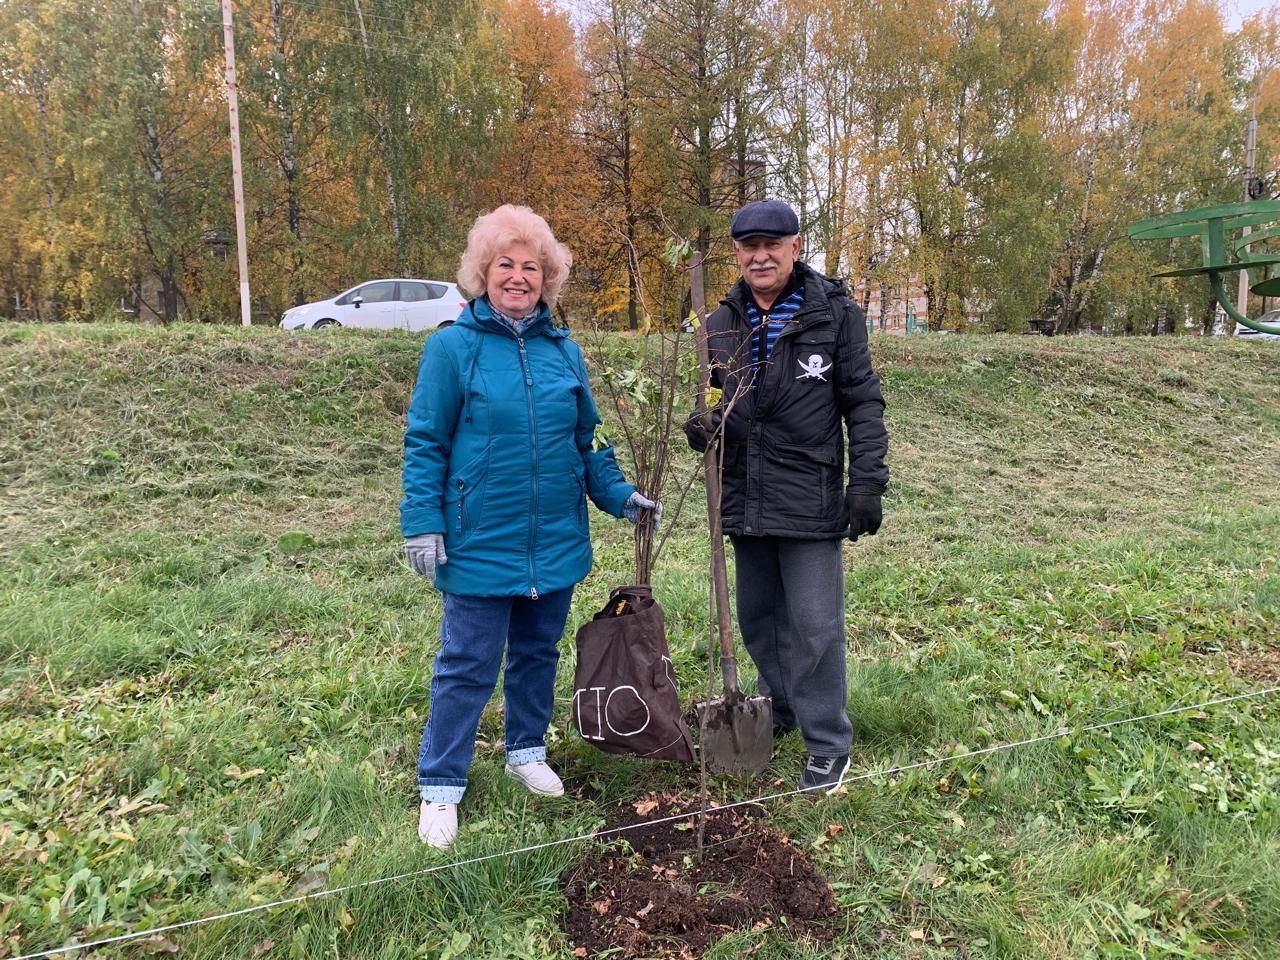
[213, 665]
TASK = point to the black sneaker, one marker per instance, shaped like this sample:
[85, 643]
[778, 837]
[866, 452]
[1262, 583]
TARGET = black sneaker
[823, 774]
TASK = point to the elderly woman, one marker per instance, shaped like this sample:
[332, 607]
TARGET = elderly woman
[499, 460]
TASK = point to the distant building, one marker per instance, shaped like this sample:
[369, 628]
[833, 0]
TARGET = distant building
[893, 308]
[899, 308]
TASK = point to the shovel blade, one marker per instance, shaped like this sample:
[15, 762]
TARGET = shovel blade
[736, 734]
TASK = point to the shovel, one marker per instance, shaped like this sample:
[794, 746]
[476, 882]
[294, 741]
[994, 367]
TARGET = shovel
[735, 731]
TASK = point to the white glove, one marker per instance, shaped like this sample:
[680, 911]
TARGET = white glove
[423, 552]
[637, 502]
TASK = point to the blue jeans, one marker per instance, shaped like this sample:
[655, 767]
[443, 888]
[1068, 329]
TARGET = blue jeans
[473, 635]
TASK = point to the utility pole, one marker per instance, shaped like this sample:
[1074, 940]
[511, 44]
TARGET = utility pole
[237, 177]
[1250, 161]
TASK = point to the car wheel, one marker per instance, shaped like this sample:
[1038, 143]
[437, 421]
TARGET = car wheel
[326, 322]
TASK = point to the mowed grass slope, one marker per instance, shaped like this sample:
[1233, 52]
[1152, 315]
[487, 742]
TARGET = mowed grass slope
[214, 666]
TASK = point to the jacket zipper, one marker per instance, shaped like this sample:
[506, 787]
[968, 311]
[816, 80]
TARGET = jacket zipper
[788, 331]
[533, 452]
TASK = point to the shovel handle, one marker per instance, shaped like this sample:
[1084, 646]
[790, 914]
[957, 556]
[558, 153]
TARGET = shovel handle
[711, 470]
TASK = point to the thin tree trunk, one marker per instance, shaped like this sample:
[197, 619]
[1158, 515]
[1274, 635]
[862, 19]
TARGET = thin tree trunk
[46, 148]
[288, 158]
[394, 211]
[703, 171]
[623, 63]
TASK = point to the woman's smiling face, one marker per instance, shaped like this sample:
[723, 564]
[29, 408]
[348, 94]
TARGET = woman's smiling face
[514, 280]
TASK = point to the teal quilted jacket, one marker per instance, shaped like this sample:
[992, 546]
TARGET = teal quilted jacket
[499, 456]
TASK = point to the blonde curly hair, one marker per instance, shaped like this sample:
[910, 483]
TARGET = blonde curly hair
[497, 230]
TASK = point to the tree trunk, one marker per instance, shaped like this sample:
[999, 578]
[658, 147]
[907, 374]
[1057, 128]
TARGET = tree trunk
[394, 205]
[37, 79]
[703, 172]
[288, 157]
[623, 62]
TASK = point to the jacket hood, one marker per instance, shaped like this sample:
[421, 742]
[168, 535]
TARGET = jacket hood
[480, 315]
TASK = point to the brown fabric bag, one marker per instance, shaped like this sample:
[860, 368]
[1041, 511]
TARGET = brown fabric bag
[625, 698]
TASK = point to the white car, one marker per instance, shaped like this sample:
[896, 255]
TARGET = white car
[399, 304]
[1271, 318]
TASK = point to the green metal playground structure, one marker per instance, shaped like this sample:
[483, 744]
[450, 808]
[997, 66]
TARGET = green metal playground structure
[1212, 225]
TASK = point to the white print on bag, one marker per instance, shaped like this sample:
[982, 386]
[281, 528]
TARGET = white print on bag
[602, 712]
[813, 370]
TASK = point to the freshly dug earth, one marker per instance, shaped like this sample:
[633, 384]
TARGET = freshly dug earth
[650, 897]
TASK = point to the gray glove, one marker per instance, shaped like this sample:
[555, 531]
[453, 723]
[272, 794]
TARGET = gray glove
[637, 502]
[423, 552]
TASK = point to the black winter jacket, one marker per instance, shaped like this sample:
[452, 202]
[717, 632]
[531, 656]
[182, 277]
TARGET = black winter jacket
[784, 448]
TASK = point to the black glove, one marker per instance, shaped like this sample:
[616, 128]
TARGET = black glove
[701, 427]
[864, 514]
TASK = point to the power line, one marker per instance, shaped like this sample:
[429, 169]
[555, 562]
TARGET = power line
[616, 831]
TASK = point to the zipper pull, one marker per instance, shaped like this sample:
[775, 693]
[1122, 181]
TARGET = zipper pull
[533, 593]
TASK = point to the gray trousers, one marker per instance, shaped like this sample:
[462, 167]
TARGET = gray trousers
[791, 614]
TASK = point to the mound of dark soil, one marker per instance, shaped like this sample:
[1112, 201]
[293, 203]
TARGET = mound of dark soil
[651, 897]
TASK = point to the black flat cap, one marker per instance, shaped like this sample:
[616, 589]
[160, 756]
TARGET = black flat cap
[765, 218]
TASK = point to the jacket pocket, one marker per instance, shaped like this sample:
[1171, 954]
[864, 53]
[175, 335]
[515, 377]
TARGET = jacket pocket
[578, 481]
[464, 499]
[804, 480]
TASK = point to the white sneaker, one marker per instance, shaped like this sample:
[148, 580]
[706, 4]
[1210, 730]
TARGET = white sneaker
[438, 824]
[538, 777]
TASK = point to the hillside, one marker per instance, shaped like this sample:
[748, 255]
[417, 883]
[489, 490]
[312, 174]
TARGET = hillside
[213, 665]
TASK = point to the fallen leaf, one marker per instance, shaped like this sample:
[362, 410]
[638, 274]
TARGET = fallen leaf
[601, 906]
[1194, 747]
[159, 944]
[235, 773]
[938, 881]
[346, 920]
[834, 829]
[127, 806]
[645, 807]
[644, 911]
[579, 951]
[262, 946]
[917, 934]
[958, 821]
[311, 883]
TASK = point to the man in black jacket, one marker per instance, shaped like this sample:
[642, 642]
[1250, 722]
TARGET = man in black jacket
[789, 355]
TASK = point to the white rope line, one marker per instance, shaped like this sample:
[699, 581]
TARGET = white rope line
[870, 775]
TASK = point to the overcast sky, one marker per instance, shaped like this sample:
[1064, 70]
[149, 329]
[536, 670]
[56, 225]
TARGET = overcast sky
[1237, 10]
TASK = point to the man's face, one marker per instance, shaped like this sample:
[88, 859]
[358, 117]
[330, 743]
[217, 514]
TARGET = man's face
[766, 262]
